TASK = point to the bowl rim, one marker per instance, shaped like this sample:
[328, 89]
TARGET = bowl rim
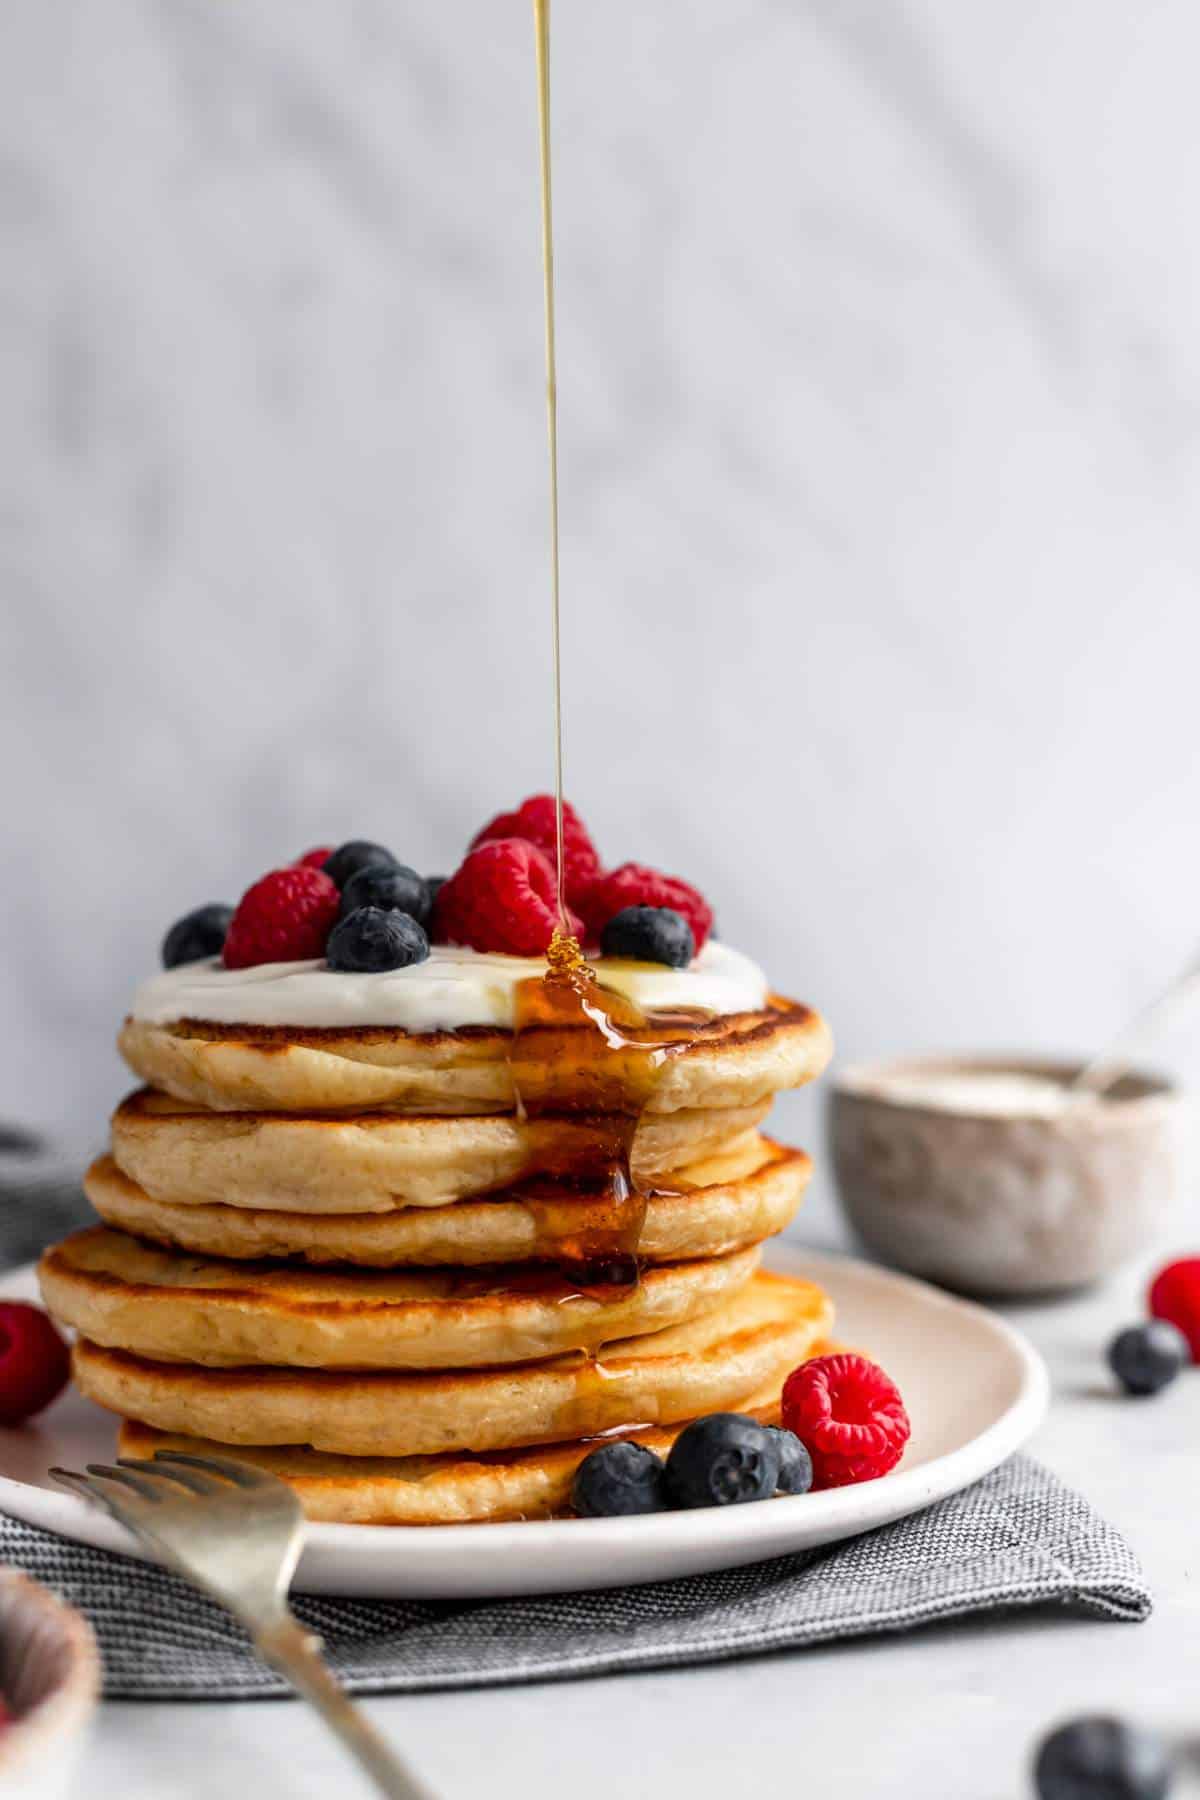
[1159, 1092]
[66, 1706]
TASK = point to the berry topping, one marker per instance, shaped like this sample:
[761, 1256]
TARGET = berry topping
[534, 820]
[795, 1464]
[649, 934]
[1102, 1759]
[315, 859]
[389, 885]
[723, 1460]
[197, 934]
[34, 1361]
[285, 917]
[370, 940]
[849, 1415]
[349, 858]
[502, 898]
[621, 1477]
[1175, 1295]
[1145, 1358]
[635, 885]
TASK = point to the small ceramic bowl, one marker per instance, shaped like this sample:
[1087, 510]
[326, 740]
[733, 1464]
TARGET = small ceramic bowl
[49, 1678]
[1003, 1200]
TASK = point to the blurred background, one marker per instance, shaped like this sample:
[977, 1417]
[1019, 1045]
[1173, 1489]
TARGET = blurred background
[880, 425]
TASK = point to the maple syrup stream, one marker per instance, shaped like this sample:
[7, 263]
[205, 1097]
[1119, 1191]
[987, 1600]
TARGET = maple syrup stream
[580, 1053]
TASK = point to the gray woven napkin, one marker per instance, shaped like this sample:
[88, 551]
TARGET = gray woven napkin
[1017, 1539]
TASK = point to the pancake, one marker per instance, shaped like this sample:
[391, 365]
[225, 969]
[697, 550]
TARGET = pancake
[743, 1346]
[453, 1489]
[373, 1163]
[734, 1059]
[170, 1307]
[745, 1193]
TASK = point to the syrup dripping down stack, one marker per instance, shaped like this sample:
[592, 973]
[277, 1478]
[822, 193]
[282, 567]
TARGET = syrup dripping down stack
[416, 1274]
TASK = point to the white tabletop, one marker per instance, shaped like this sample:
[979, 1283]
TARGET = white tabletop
[950, 1711]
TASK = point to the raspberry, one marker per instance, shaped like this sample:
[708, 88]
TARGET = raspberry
[34, 1361]
[849, 1415]
[501, 898]
[285, 917]
[1175, 1296]
[314, 859]
[534, 820]
[633, 884]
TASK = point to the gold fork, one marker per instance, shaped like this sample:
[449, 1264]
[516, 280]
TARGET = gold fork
[236, 1532]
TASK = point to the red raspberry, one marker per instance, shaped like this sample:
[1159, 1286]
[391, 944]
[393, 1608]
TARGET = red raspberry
[314, 859]
[534, 820]
[501, 898]
[34, 1361]
[285, 917]
[633, 884]
[849, 1415]
[1175, 1296]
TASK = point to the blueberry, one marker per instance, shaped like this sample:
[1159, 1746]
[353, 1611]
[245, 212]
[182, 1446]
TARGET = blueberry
[392, 886]
[621, 1477]
[197, 934]
[435, 883]
[349, 858]
[721, 1461]
[371, 940]
[1101, 1759]
[1145, 1358]
[650, 934]
[795, 1464]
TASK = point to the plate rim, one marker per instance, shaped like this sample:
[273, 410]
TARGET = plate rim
[830, 1515]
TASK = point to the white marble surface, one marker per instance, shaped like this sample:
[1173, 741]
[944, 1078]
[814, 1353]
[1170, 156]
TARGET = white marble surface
[880, 406]
[947, 1712]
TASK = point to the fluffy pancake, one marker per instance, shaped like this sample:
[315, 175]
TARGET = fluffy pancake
[375, 1162]
[453, 1489]
[734, 1059]
[738, 1197]
[170, 1307]
[740, 1348]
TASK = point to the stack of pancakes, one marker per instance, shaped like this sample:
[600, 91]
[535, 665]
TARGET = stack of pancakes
[340, 1251]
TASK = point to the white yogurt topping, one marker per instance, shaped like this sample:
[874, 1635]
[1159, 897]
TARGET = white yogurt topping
[451, 988]
[996, 1093]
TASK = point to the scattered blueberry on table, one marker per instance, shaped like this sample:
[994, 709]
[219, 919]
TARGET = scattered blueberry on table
[1102, 1759]
[1146, 1358]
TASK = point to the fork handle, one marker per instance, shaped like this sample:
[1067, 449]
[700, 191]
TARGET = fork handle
[296, 1653]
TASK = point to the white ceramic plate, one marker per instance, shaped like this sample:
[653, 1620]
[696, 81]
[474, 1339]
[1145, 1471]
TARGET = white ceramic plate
[975, 1389]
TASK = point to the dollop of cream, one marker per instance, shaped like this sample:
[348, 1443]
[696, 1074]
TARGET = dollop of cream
[452, 988]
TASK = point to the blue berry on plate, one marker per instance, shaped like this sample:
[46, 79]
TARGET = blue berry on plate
[620, 1477]
[349, 858]
[392, 886]
[723, 1460]
[795, 1464]
[1145, 1358]
[649, 934]
[369, 941]
[1102, 1759]
[197, 934]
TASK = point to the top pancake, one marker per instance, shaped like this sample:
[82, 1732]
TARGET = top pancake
[732, 1060]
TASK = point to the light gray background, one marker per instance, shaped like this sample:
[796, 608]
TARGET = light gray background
[880, 411]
